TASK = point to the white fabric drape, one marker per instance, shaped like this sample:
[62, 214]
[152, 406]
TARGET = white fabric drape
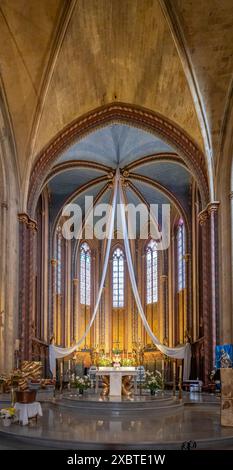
[56, 352]
[182, 352]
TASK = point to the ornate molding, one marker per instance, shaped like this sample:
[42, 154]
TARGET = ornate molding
[127, 114]
[213, 207]
[53, 262]
[25, 219]
[203, 216]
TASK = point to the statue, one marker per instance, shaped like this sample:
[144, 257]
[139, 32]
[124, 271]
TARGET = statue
[225, 359]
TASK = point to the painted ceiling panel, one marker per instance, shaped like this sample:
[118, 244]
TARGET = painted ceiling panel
[173, 176]
[115, 145]
[59, 200]
[66, 182]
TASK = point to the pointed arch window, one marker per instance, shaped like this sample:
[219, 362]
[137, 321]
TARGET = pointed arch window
[85, 274]
[181, 256]
[151, 273]
[118, 278]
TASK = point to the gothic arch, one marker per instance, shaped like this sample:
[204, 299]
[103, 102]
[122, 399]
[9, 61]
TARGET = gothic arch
[126, 114]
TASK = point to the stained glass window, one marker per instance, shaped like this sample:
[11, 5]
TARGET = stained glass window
[151, 273]
[85, 274]
[180, 256]
[118, 278]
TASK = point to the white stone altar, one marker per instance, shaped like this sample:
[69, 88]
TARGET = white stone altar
[115, 375]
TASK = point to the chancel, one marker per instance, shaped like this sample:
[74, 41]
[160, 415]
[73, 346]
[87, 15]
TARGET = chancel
[116, 234]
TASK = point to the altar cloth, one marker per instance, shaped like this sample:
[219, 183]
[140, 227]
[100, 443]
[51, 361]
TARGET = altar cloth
[29, 410]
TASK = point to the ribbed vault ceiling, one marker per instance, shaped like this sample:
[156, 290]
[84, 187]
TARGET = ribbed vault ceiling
[116, 146]
[60, 59]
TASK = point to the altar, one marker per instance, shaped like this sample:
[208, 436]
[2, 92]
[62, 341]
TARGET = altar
[117, 380]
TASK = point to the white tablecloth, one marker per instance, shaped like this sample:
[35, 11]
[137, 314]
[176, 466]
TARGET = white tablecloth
[29, 410]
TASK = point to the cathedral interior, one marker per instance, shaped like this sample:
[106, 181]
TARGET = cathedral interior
[89, 88]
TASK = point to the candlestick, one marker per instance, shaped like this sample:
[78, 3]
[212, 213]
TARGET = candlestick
[180, 382]
[174, 378]
[180, 373]
[61, 375]
[162, 374]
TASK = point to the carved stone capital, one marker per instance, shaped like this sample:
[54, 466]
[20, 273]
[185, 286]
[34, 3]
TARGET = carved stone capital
[23, 218]
[213, 207]
[187, 257]
[53, 262]
[203, 216]
[32, 225]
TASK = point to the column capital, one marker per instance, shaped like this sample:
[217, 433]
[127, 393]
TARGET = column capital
[213, 206]
[32, 225]
[25, 219]
[203, 216]
[231, 195]
[53, 262]
[186, 257]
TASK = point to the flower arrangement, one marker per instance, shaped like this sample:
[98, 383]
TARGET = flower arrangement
[154, 380]
[128, 362]
[82, 383]
[104, 361]
[7, 413]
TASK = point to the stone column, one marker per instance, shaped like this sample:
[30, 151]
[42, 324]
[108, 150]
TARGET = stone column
[32, 229]
[187, 293]
[75, 308]
[209, 284]
[3, 296]
[164, 307]
[205, 292]
[53, 320]
[214, 270]
[27, 230]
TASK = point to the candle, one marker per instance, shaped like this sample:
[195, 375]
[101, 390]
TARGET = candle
[69, 365]
[180, 373]
[174, 368]
[61, 368]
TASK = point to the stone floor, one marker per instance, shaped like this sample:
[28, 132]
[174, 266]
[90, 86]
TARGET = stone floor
[198, 420]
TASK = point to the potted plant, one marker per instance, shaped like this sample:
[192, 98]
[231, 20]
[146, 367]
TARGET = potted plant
[154, 381]
[82, 383]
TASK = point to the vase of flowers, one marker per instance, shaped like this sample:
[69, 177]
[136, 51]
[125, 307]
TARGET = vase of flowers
[82, 383]
[128, 362]
[154, 381]
[104, 361]
[8, 415]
